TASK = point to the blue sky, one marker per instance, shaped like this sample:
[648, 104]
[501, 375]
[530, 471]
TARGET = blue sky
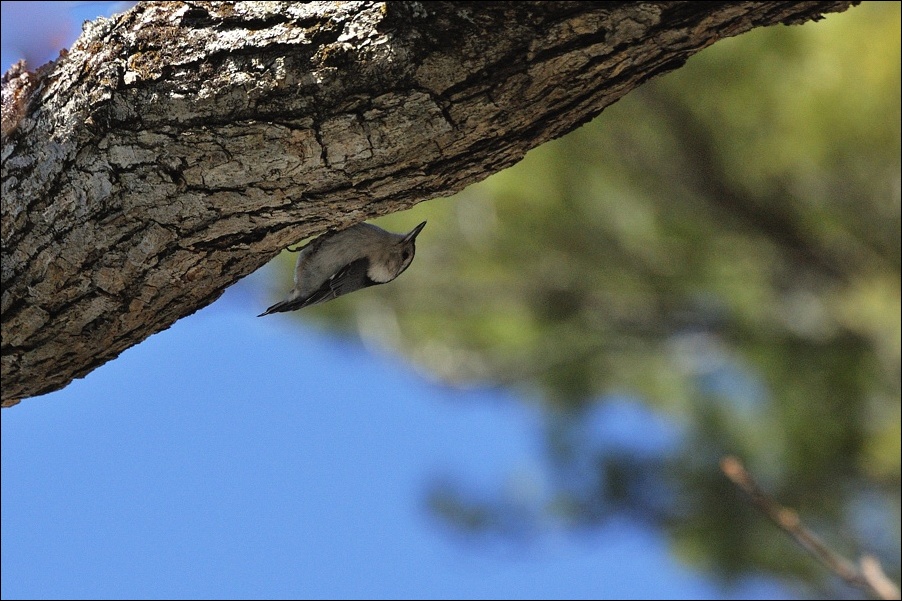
[231, 456]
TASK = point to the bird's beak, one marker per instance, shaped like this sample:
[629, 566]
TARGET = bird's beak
[414, 232]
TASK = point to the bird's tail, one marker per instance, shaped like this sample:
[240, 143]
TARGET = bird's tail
[285, 305]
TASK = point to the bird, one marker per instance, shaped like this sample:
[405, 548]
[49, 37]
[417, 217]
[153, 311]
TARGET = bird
[337, 263]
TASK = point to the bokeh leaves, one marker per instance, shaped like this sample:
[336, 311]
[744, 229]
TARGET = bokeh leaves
[721, 247]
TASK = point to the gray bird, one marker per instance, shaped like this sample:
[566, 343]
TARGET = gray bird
[337, 263]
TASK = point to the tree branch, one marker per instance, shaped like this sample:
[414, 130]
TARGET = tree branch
[869, 578]
[178, 147]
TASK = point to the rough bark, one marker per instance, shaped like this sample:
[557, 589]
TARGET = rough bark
[180, 146]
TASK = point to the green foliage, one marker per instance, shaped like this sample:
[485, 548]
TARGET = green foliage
[722, 245]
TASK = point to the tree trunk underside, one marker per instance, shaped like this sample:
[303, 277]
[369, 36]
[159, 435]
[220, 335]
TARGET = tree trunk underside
[177, 148]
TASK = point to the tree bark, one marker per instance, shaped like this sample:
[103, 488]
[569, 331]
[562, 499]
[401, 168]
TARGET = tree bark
[180, 146]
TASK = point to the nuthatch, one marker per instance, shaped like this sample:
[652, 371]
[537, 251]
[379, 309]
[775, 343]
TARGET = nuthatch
[337, 263]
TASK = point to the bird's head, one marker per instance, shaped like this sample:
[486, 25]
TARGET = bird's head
[406, 249]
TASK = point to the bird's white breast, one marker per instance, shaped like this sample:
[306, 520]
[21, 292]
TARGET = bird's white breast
[380, 272]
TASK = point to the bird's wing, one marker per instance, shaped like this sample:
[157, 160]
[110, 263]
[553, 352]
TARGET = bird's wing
[349, 278]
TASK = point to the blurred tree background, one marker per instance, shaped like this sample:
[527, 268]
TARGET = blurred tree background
[721, 249]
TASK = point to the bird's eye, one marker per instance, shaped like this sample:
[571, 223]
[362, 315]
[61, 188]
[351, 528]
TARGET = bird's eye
[406, 254]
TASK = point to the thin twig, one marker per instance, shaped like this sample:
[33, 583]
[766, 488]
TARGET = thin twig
[873, 572]
[870, 578]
